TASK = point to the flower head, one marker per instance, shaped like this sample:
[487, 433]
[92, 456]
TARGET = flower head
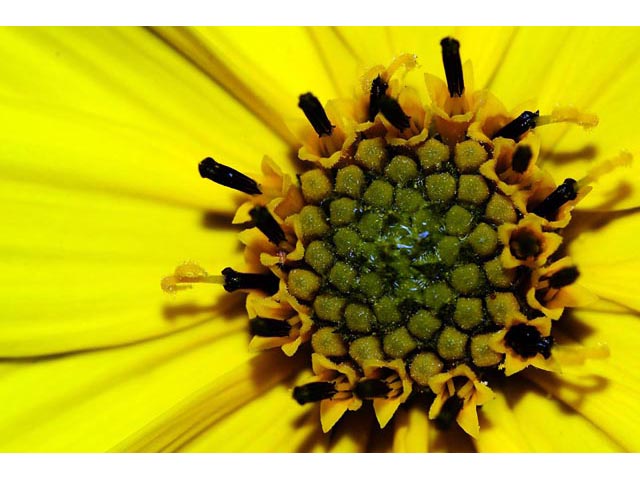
[414, 304]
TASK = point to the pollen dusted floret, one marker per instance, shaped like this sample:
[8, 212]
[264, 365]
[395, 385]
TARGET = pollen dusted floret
[412, 268]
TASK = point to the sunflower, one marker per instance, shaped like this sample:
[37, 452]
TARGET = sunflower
[102, 131]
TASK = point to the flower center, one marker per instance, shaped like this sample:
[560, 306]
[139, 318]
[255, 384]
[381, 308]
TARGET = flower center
[418, 254]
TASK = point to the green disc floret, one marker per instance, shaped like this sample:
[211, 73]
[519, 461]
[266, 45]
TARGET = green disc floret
[359, 318]
[452, 344]
[468, 313]
[500, 210]
[467, 278]
[370, 225]
[441, 187]
[481, 352]
[343, 211]
[366, 348]
[372, 154]
[347, 242]
[483, 240]
[497, 275]
[328, 343]
[437, 295]
[350, 181]
[303, 284]
[386, 310]
[343, 276]
[502, 306]
[372, 285]
[424, 324]
[432, 155]
[448, 250]
[472, 189]
[316, 186]
[399, 343]
[319, 256]
[458, 221]
[408, 200]
[424, 366]
[379, 194]
[329, 308]
[313, 223]
[469, 155]
[401, 170]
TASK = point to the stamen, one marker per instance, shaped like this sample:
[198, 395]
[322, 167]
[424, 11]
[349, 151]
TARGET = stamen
[315, 113]
[267, 282]
[524, 244]
[372, 388]
[268, 327]
[227, 176]
[187, 274]
[569, 115]
[567, 191]
[314, 392]
[452, 66]
[378, 91]
[449, 412]
[527, 342]
[267, 225]
[521, 158]
[514, 129]
[563, 277]
[392, 111]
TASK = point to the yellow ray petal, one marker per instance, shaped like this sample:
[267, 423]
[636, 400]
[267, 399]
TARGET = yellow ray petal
[82, 269]
[107, 399]
[559, 429]
[607, 394]
[606, 256]
[116, 109]
[499, 429]
[411, 430]
[351, 435]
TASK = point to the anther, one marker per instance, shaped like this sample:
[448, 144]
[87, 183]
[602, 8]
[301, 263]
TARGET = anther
[378, 91]
[527, 342]
[314, 392]
[227, 176]
[563, 277]
[267, 224]
[316, 115]
[449, 412]
[524, 244]
[392, 111]
[567, 191]
[268, 327]
[372, 388]
[514, 129]
[521, 158]
[267, 282]
[452, 66]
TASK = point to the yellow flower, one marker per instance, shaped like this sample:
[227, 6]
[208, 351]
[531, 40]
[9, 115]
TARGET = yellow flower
[101, 132]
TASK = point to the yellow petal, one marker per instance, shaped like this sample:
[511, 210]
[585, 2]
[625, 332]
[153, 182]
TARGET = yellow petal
[411, 430]
[352, 433]
[82, 269]
[499, 429]
[559, 429]
[269, 423]
[606, 257]
[116, 109]
[128, 398]
[603, 391]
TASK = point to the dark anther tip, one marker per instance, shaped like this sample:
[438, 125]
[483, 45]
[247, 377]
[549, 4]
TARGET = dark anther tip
[521, 158]
[267, 224]
[565, 192]
[314, 392]
[519, 126]
[315, 113]
[227, 176]
[564, 277]
[452, 66]
[449, 412]
[372, 388]
[268, 327]
[378, 91]
[527, 341]
[393, 112]
[233, 280]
